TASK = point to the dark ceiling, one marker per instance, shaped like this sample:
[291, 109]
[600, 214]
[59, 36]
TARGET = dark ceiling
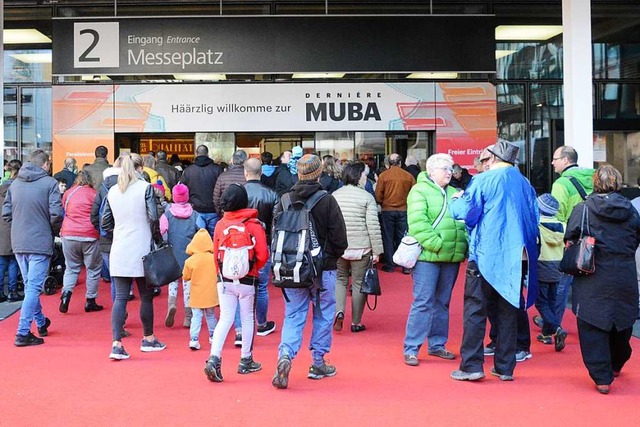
[613, 21]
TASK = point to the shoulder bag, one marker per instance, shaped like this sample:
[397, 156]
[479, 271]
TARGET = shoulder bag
[579, 257]
[160, 266]
[371, 284]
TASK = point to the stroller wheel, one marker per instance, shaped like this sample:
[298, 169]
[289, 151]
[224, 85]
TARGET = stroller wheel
[50, 285]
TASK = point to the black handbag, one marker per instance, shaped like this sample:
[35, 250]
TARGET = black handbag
[579, 256]
[161, 266]
[371, 284]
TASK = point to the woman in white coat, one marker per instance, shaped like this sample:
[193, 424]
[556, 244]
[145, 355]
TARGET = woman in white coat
[131, 213]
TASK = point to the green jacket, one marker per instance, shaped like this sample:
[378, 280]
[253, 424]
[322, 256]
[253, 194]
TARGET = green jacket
[566, 193]
[447, 242]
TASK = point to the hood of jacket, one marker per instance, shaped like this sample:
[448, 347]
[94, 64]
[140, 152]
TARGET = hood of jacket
[30, 172]
[202, 161]
[583, 175]
[241, 214]
[612, 207]
[268, 170]
[200, 243]
[305, 189]
[181, 210]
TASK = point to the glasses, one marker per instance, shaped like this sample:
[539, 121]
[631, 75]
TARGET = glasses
[484, 160]
[446, 168]
[558, 158]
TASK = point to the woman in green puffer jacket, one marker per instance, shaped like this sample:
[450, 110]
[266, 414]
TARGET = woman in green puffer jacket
[444, 247]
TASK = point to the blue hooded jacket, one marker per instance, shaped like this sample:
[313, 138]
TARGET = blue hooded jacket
[500, 209]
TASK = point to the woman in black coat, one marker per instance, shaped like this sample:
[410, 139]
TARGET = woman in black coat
[606, 302]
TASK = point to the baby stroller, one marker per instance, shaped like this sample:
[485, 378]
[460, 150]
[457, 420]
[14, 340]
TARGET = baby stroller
[53, 282]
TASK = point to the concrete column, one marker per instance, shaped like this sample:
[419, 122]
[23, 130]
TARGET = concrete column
[578, 109]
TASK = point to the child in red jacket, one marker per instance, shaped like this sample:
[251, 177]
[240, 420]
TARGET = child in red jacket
[240, 246]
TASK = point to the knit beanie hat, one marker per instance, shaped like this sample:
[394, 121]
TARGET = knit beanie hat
[234, 198]
[548, 205]
[309, 167]
[180, 193]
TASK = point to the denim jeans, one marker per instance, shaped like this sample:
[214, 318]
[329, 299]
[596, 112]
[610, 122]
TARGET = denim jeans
[546, 305]
[105, 263]
[394, 224]
[295, 318]
[262, 298]
[9, 264]
[210, 219]
[34, 268]
[429, 314]
[77, 253]
[562, 295]
[196, 322]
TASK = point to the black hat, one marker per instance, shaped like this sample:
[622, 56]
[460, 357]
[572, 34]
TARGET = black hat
[234, 198]
[505, 151]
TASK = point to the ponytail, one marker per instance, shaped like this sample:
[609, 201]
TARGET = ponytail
[128, 174]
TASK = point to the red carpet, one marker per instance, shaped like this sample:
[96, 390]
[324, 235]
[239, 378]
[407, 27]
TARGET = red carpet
[70, 381]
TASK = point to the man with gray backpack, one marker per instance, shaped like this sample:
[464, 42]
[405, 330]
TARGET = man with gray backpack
[309, 235]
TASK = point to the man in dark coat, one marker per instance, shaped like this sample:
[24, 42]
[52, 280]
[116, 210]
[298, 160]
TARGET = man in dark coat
[201, 178]
[33, 206]
[233, 175]
[168, 172]
[98, 166]
[69, 173]
[461, 177]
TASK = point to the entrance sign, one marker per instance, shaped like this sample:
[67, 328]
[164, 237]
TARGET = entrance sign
[274, 44]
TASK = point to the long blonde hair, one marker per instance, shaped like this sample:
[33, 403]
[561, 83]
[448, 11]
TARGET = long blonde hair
[128, 174]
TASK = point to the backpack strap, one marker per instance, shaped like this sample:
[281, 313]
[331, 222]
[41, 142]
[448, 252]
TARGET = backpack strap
[578, 186]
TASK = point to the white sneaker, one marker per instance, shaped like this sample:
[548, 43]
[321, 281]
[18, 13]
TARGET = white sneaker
[194, 345]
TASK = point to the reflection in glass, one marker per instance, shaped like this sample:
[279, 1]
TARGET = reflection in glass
[36, 120]
[10, 123]
[20, 68]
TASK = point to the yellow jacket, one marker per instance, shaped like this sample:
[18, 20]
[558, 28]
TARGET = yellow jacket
[155, 177]
[201, 269]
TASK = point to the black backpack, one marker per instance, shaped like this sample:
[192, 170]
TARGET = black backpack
[296, 253]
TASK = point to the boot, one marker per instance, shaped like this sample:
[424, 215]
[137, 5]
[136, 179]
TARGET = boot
[171, 312]
[91, 305]
[187, 317]
[65, 299]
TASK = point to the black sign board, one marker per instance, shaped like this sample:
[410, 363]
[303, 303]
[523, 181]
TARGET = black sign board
[274, 44]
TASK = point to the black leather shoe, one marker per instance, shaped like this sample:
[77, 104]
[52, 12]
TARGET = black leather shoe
[92, 306]
[358, 328]
[388, 269]
[65, 299]
[156, 292]
[14, 296]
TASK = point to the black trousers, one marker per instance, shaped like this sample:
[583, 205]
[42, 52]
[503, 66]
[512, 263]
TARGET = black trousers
[478, 294]
[524, 333]
[394, 225]
[603, 352]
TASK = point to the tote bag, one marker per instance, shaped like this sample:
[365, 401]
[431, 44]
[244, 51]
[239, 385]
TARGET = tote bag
[579, 257]
[371, 284]
[161, 266]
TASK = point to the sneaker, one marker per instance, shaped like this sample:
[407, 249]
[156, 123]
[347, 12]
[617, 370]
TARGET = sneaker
[14, 296]
[337, 323]
[490, 350]
[213, 369]
[171, 317]
[559, 339]
[442, 353]
[248, 365]
[319, 372]
[118, 353]
[522, 355]
[281, 378]
[43, 330]
[265, 330]
[545, 339]
[467, 376]
[503, 377]
[194, 345]
[149, 346]
[27, 340]
[411, 360]
[238, 341]
[537, 320]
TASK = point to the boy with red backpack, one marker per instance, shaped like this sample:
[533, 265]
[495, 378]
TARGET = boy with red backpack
[240, 247]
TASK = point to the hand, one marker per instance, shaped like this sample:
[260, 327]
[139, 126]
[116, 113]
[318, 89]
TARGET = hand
[457, 195]
[375, 259]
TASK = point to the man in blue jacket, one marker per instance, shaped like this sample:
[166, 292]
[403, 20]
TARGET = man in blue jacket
[34, 208]
[500, 209]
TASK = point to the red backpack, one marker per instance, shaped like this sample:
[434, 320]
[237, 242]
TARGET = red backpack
[236, 253]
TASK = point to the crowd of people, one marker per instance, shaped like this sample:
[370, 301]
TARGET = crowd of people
[109, 217]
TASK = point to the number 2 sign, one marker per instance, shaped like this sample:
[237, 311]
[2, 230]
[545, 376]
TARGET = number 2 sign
[96, 45]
